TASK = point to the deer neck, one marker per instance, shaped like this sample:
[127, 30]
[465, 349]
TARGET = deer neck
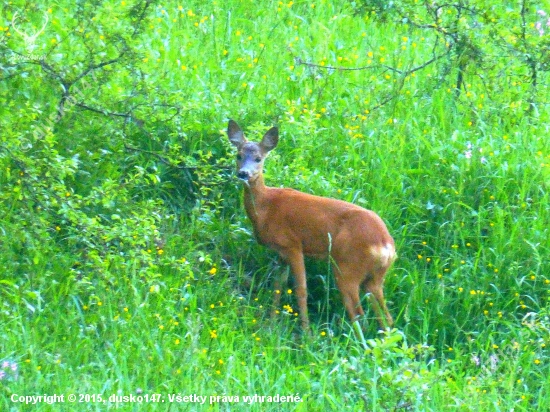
[254, 193]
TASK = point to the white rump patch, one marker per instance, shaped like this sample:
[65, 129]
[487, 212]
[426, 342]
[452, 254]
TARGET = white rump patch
[385, 254]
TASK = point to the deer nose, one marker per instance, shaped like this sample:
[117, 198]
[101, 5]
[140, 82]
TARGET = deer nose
[242, 174]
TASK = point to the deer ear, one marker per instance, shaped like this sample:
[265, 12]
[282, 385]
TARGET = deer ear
[235, 134]
[270, 139]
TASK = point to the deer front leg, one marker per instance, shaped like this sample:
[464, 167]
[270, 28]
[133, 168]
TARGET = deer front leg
[278, 283]
[295, 259]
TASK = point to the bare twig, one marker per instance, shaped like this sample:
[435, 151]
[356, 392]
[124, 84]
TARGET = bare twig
[167, 162]
[300, 62]
[106, 112]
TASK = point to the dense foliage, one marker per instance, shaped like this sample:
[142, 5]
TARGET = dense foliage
[128, 266]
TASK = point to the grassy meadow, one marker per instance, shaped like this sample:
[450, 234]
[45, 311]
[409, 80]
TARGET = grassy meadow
[129, 268]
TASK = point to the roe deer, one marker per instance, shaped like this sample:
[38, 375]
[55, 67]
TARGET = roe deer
[296, 224]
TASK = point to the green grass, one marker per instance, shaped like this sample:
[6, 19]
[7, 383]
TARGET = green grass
[129, 267]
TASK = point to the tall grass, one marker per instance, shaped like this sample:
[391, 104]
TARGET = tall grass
[129, 267]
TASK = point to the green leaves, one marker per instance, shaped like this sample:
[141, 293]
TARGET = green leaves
[122, 230]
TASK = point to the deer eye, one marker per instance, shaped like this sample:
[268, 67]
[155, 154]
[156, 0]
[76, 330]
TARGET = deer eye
[258, 159]
[239, 157]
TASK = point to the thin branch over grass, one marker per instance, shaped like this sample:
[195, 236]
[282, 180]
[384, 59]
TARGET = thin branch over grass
[402, 73]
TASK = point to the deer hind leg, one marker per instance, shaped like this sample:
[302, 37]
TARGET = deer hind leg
[349, 288]
[374, 287]
[347, 283]
[352, 302]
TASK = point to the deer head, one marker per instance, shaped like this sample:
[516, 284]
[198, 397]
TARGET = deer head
[251, 155]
